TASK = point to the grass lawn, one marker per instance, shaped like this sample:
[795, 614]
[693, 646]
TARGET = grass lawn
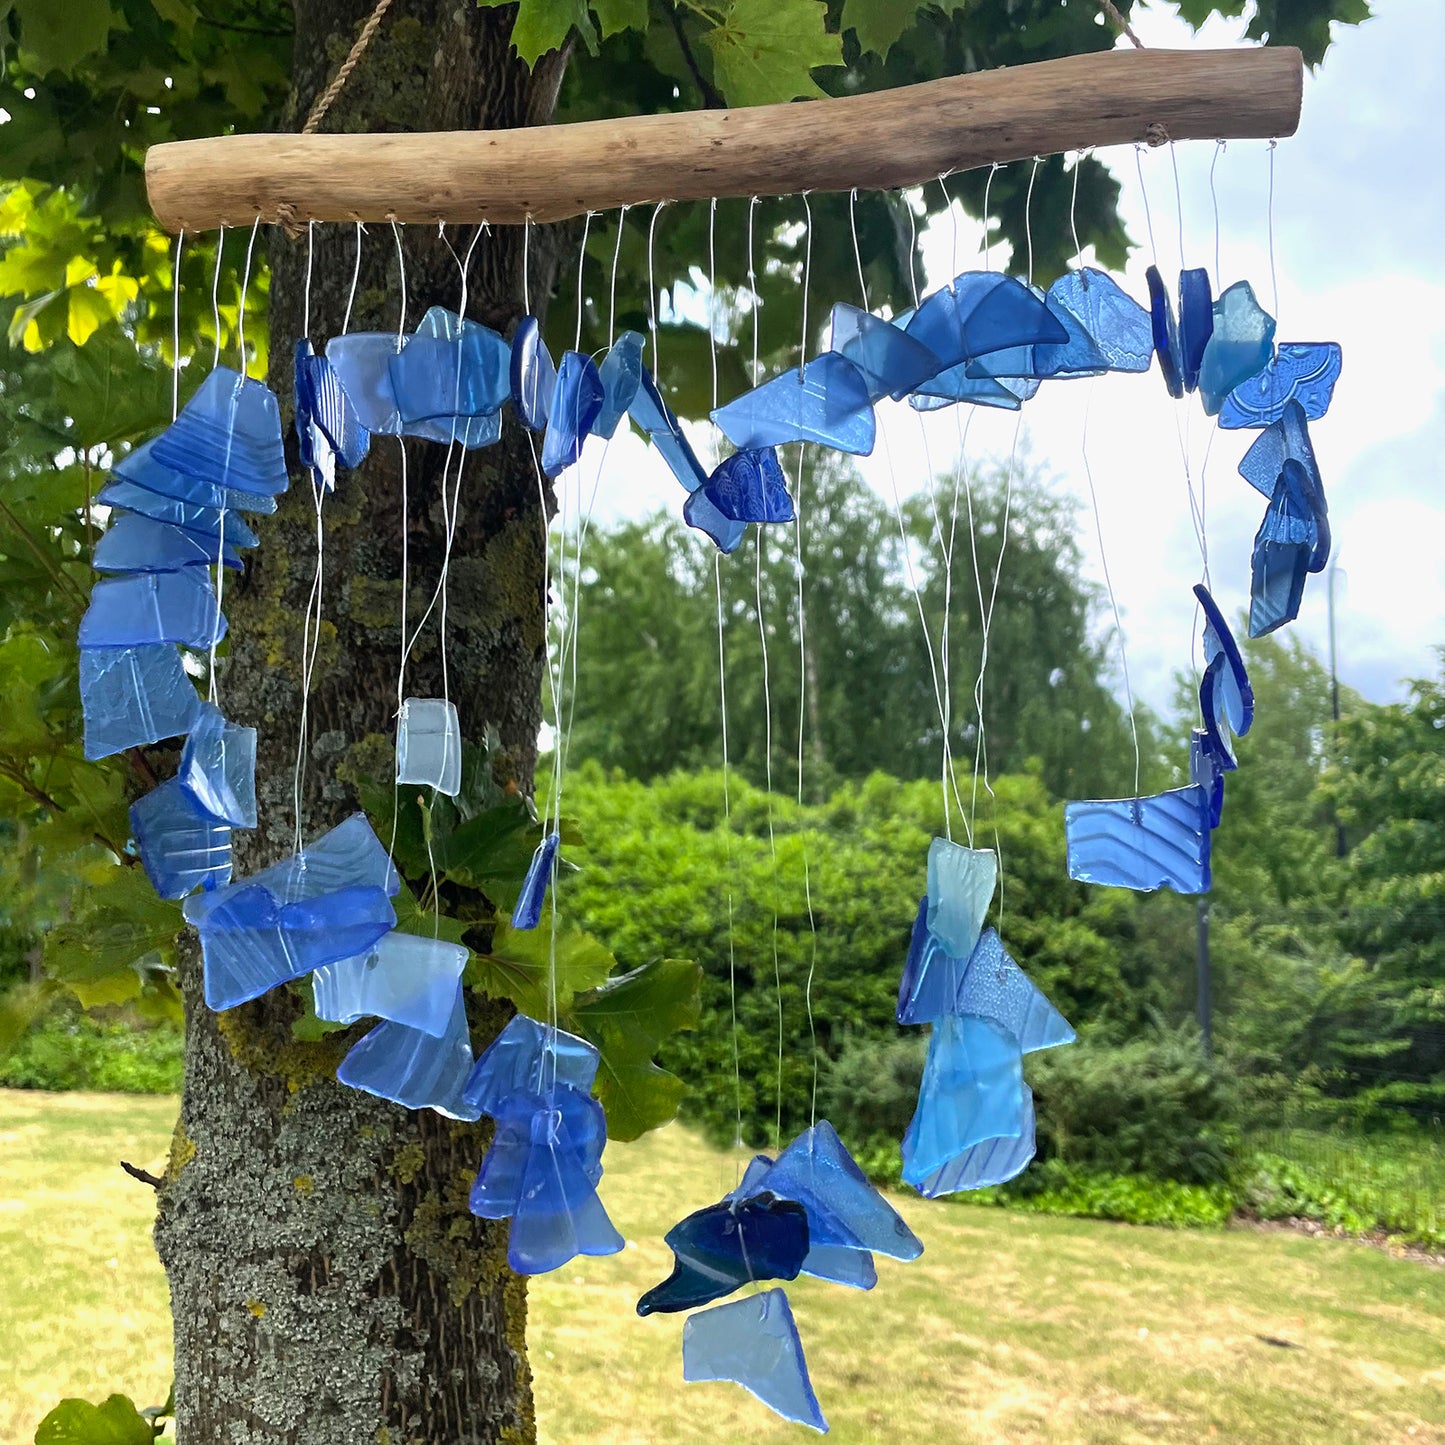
[1010, 1328]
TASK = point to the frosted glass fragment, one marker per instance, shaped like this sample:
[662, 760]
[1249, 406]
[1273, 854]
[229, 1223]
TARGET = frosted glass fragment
[960, 884]
[652, 413]
[995, 988]
[955, 384]
[931, 975]
[891, 362]
[576, 403]
[700, 512]
[133, 696]
[1142, 843]
[1286, 438]
[228, 434]
[754, 1343]
[1116, 324]
[349, 854]
[1077, 356]
[994, 1161]
[450, 370]
[749, 487]
[528, 910]
[180, 848]
[1196, 323]
[1239, 347]
[203, 522]
[533, 375]
[1302, 371]
[404, 977]
[140, 468]
[1286, 541]
[218, 768]
[471, 432]
[525, 1060]
[429, 745]
[144, 609]
[621, 374]
[497, 1192]
[1166, 332]
[1205, 772]
[361, 361]
[827, 402]
[838, 1264]
[132, 543]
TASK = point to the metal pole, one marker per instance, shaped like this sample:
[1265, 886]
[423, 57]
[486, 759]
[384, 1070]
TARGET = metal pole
[1341, 846]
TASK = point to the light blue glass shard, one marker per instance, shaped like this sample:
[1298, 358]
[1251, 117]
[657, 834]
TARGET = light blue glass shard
[955, 384]
[1289, 437]
[652, 413]
[350, 854]
[140, 467]
[471, 432]
[749, 487]
[414, 1069]
[429, 745]
[528, 910]
[497, 1192]
[991, 312]
[972, 1084]
[1166, 332]
[1142, 843]
[133, 696]
[141, 544]
[361, 361]
[533, 375]
[700, 512]
[1240, 346]
[576, 402]
[202, 522]
[404, 977]
[994, 987]
[994, 1161]
[1117, 325]
[1075, 356]
[1196, 323]
[180, 848]
[838, 1264]
[1205, 772]
[621, 373]
[218, 768]
[144, 609]
[1283, 546]
[525, 1059]
[931, 975]
[936, 325]
[754, 1343]
[1302, 371]
[228, 434]
[960, 884]
[451, 369]
[891, 362]
[826, 403]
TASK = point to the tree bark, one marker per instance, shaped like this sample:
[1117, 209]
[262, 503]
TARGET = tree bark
[328, 1285]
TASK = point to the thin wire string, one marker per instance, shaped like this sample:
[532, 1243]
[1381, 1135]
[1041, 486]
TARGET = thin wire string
[1144, 192]
[1219, 147]
[1273, 274]
[176, 327]
[216, 297]
[1029, 216]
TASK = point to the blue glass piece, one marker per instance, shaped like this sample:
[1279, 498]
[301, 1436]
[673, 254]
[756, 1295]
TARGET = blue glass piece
[144, 609]
[652, 413]
[972, 1084]
[180, 848]
[1196, 323]
[1077, 356]
[471, 432]
[327, 428]
[1166, 333]
[451, 370]
[203, 522]
[141, 544]
[218, 768]
[534, 376]
[133, 696]
[754, 1343]
[404, 977]
[1302, 371]
[960, 884]
[995, 312]
[995, 988]
[140, 468]
[1205, 772]
[827, 402]
[749, 487]
[700, 512]
[429, 745]
[891, 362]
[1283, 546]
[576, 403]
[1117, 325]
[498, 1191]
[725, 1245]
[350, 854]
[994, 1161]
[1234, 696]
[228, 434]
[1288, 437]
[931, 975]
[621, 374]
[361, 362]
[526, 1059]
[528, 910]
[955, 384]
[1142, 843]
[838, 1264]
[413, 1068]
[1240, 346]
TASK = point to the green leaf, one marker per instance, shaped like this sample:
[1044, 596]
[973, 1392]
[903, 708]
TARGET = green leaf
[615, 15]
[520, 965]
[878, 23]
[411, 917]
[60, 36]
[495, 846]
[543, 25]
[180, 13]
[78, 1422]
[627, 1018]
[764, 50]
[308, 1028]
[20, 1006]
[110, 390]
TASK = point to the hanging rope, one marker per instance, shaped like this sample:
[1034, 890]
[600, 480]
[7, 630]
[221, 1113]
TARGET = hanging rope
[1123, 26]
[323, 102]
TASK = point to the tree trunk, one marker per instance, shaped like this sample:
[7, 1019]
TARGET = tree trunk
[328, 1285]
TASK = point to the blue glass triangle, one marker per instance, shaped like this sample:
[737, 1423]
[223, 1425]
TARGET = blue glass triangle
[140, 468]
[498, 1190]
[1196, 323]
[180, 848]
[1118, 326]
[1076, 357]
[576, 403]
[1240, 346]
[749, 487]
[133, 696]
[996, 312]
[652, 413]
[1302, 371]
[827, 402]
[218, 768]
[994, 1161]
[994, 987]
[838, 1264]
[404, 977]
[361, 361]
[621, 374]
[528, 910]
[1286, 438]
[1205, 772]
[931, 975]
[144, 609]
[202, 522]
[525, 1060]
[960, 886]
[228, 434]
[533, 375]
[891, 362]
[1142, 843]
[350, 854]
[133, 543]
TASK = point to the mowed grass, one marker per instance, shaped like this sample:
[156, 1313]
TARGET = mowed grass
[1010, 1328]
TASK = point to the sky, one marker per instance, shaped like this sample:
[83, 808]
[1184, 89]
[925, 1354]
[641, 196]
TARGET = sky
[1358, 220]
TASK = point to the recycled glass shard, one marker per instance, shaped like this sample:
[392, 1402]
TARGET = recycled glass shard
[180, 848]
[827, 402]
[406, 978]
[497, 1192]
[1206, 772]
[652, 413]
[972, 1084]
[361, 361]
[450, 370]
[471, 432]
[1286, 438]
[725, 1245]
[415, 1069]
[1196, 323]
[140, 468]
[133, 696]
[754, 1343]
[429, 745]
[1283, 547]
[930, 975]
[1076, 356]
[1302, 371]
[891, 362]
[995, 988]
[325, 420]
[533, 375]
[576, 403]
[133, 543]
[994, 1161]
[1234, 697]
[218, 768]
[145, 609]
[350, 854]
[838, 1264]
[955, 384]
[1240, 345]
[528, 910]
[1166, 332]
[997, 312]
[749, 487]
[621, 374]
[960, 884]
[203, 522]
[700, 512]
[525, 1059]
[228, 434]
[1116, 324]
[1160, 841]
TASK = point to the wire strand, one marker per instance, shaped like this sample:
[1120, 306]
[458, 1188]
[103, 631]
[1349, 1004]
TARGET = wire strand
[176, 327]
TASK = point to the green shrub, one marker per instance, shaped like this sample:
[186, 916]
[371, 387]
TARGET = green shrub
[69, 1049]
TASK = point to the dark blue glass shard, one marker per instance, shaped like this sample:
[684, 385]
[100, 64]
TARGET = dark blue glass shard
[621, 373]
[429, 744]
[361, 361]
[972, 1084]
[1196, 323]
[404, 977]
[180, 848]
[218, 768]
[700, 512]
[202, 522]
[533, 375]
[719, 1248]
[1226, 699]
[960, 884]
[1142, 843]
[1205, 772]
[754, 1343]
[1117, 325]
[1165, 332]
[141, 544]
[1240, 346]
[498, 1191]
[954, 384]
[144, 609]
[350, 854]
[891, 362]
[576, 403]
[1076, 357]
[827, 402]
[749, 487]
[931, 975]
[228, 434]
[528, 910]
[526, 1060]
[995, 988]
[1302, 371]
[134, 696]
[327, 427]
[140, 468]
[994, 1161]
[1287, 539]
[652, 413]
[996, 312]
[1218, 740]
[412, 1068]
